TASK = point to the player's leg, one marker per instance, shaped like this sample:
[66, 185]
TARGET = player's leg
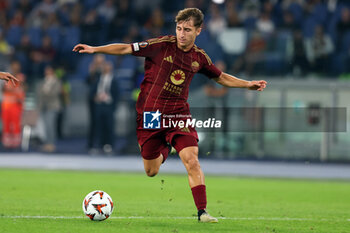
[16, 127]
[189, 157]
[188, 151]
[154, 152]
[152, 166]
[6, 126]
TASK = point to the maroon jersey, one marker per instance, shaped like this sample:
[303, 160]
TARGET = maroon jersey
[168, 74]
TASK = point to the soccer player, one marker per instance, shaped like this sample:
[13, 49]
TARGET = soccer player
[170, 64]
[8, 77]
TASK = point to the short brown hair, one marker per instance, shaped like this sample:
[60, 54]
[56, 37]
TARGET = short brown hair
[190, 13]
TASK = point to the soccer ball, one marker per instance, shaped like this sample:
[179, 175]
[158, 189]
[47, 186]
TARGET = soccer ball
[98, 205]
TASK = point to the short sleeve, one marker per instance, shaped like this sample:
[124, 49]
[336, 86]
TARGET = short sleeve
[208, 68]
[146, 48]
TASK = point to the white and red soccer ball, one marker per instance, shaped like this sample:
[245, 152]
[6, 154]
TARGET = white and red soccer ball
[98, 205]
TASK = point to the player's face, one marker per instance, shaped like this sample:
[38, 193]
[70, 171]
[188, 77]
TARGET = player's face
[186, 34]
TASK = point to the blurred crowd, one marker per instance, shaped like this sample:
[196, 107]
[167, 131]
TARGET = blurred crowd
[296, 38]
[284, 36]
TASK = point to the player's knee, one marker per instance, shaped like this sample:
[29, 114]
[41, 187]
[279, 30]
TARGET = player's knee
[151, 172]
[190, 152]
[193, 164]
[191, 159]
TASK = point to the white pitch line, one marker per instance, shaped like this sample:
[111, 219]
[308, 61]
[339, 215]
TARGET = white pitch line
[168, 217]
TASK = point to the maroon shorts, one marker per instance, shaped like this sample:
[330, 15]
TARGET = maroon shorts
[153, 141]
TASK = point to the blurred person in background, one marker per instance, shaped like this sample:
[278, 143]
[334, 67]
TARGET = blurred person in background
[217, 22]
[343, 25]
[49, 106]
[25, 6]
[40, 58]
[253, 54]
[249, 13]
[38, 15]
[121, 20]
[264, 24]
[216, 103]
[5, 47]
[296, 53]
[12, 108]
[18, 19]
[105, 92]
[44, 8]
[47, 51]
[318, 50]
[65, 100]
[107, 10]
[23, 53]
[91, 27]
[343, 38]
[6, 52]
[232, 15]
[155, 23]
[95, 70]
[288, 21]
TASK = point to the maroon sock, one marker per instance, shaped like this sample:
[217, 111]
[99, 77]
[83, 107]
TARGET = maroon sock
[199, 196]
[165, 153]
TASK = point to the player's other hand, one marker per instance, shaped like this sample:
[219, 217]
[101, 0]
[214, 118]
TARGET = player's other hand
[8, 77]
[83, 48]
[257, 85]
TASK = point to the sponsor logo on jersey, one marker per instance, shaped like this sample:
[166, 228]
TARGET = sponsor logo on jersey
[169, 59]
[177, 77]
[172, 88]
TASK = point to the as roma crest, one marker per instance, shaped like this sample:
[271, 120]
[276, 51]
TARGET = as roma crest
[195, 66]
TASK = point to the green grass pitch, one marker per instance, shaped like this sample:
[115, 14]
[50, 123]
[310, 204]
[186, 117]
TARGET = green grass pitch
[50, 201]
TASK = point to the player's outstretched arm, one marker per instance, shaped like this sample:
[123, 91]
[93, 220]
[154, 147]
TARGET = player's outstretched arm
[8, 77]
[230, 81]
[114, 49]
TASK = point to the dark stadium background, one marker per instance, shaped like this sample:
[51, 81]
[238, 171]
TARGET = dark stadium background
[253, 39]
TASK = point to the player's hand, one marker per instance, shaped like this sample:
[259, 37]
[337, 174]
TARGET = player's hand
[83, 48]
[8, 77]
[257, 85]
